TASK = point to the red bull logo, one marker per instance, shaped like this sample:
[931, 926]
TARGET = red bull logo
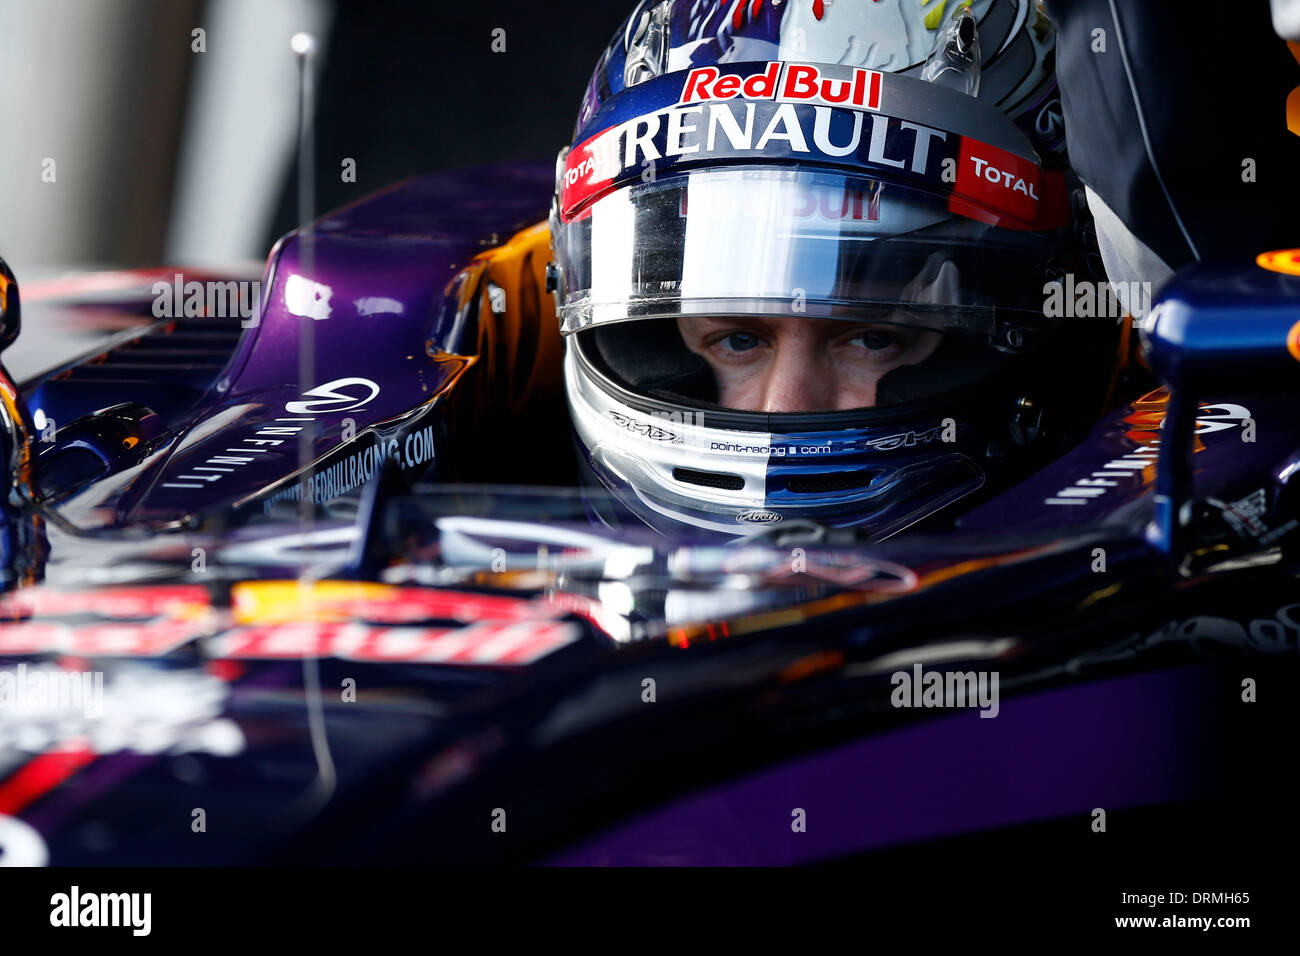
[788, 82]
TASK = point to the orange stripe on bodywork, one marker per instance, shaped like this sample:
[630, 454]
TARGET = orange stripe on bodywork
[1285, 261]
[20, 456]
[1293, 101]
[522, 351]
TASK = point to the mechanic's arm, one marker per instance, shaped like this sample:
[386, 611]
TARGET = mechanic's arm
[1192, 122]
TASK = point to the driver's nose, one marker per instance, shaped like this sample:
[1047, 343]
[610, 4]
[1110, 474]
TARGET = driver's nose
[801, 378]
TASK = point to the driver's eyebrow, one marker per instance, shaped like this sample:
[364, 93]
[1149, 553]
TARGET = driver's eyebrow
[743, 320]
[765, 321]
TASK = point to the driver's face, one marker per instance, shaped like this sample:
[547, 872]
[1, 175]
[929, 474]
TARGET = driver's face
[790, 364]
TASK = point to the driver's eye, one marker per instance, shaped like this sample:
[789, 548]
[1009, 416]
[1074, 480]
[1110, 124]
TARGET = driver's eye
[742, 341]
[876, 340]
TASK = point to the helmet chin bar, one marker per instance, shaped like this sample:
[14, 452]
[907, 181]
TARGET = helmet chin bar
[697, 468]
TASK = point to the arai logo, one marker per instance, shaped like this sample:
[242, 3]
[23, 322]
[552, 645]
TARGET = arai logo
[758, 516]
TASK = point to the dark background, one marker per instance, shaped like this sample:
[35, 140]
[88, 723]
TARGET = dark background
[412, 86]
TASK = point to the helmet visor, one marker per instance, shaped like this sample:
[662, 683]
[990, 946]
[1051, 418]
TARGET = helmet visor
[776, 241]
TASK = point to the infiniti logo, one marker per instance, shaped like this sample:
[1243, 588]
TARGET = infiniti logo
[1216, 418]
[339, 395]
[1050, 121]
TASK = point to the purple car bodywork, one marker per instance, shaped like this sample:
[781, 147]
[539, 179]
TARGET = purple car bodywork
[782, 704]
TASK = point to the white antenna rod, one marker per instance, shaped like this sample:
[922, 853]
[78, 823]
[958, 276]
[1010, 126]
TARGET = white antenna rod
[304, 48]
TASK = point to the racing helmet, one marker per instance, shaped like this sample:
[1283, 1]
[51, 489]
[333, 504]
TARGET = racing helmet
[878, 186]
